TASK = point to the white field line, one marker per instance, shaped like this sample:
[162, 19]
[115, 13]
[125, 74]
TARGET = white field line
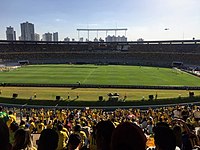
[86, 78]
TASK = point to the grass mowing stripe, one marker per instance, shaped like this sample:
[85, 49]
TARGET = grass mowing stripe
[92, 74]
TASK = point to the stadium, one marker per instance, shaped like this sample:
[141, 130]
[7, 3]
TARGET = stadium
[66, 87]
[99, 73]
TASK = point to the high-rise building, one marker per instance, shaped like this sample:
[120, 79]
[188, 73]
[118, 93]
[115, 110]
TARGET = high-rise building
[37, 37]
[10, 34]
[81, 39]
[47, 37]
[27, 31]
[95, 39]
[140, 40]
[67, 39]
[109, 38]
[123, 39]
[55, 36]
[101, 40]
[116, 39]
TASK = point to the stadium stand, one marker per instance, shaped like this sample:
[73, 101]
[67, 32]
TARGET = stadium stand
[152, 53]
[87, 125]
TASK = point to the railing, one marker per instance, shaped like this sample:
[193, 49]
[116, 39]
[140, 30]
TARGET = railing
[171, 42]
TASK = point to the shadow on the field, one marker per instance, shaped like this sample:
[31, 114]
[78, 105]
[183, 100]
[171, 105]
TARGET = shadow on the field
[74, 99]
[69, 99]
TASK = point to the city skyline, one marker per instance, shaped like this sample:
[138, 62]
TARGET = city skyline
[144, 19]
[28, 34]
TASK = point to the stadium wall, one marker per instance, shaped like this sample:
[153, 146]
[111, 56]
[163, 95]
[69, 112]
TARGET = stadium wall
[103, 86]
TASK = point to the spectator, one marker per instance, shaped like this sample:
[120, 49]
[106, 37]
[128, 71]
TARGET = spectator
[48, 140]
[13, 128]
[197, 114]
[63, 137]
[104, 130]
[32, 127]
[22, 140]
[77, 130]
[74, 142]
[185, 113]
[4, 136]
[50, 125]
[144, 123]
[177, 112]
[128, 136]
[188, 137]
[40, 126]
[3, 115]
[150, 128]
[12, 118]
[178, 135]
[164, 138]
[22, 124]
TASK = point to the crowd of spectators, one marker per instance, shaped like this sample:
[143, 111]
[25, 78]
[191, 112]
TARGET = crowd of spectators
[165, 128]
[143, 54]
[169, 48]
[177, 47]
[149, 58]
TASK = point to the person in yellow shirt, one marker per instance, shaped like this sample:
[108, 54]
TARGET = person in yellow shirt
[32, 126]
[40, 126]
[12, 118]
[77, 130]
[41, 115]
[34, 116]
[12, 129]
[61, 115]
[63, 138]
[50, 125]
[66, 130]
[47, 116]
[22, 124]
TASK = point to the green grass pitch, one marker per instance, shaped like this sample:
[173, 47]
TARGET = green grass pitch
[95, 74]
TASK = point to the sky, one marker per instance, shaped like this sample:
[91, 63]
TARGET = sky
[145, 19]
